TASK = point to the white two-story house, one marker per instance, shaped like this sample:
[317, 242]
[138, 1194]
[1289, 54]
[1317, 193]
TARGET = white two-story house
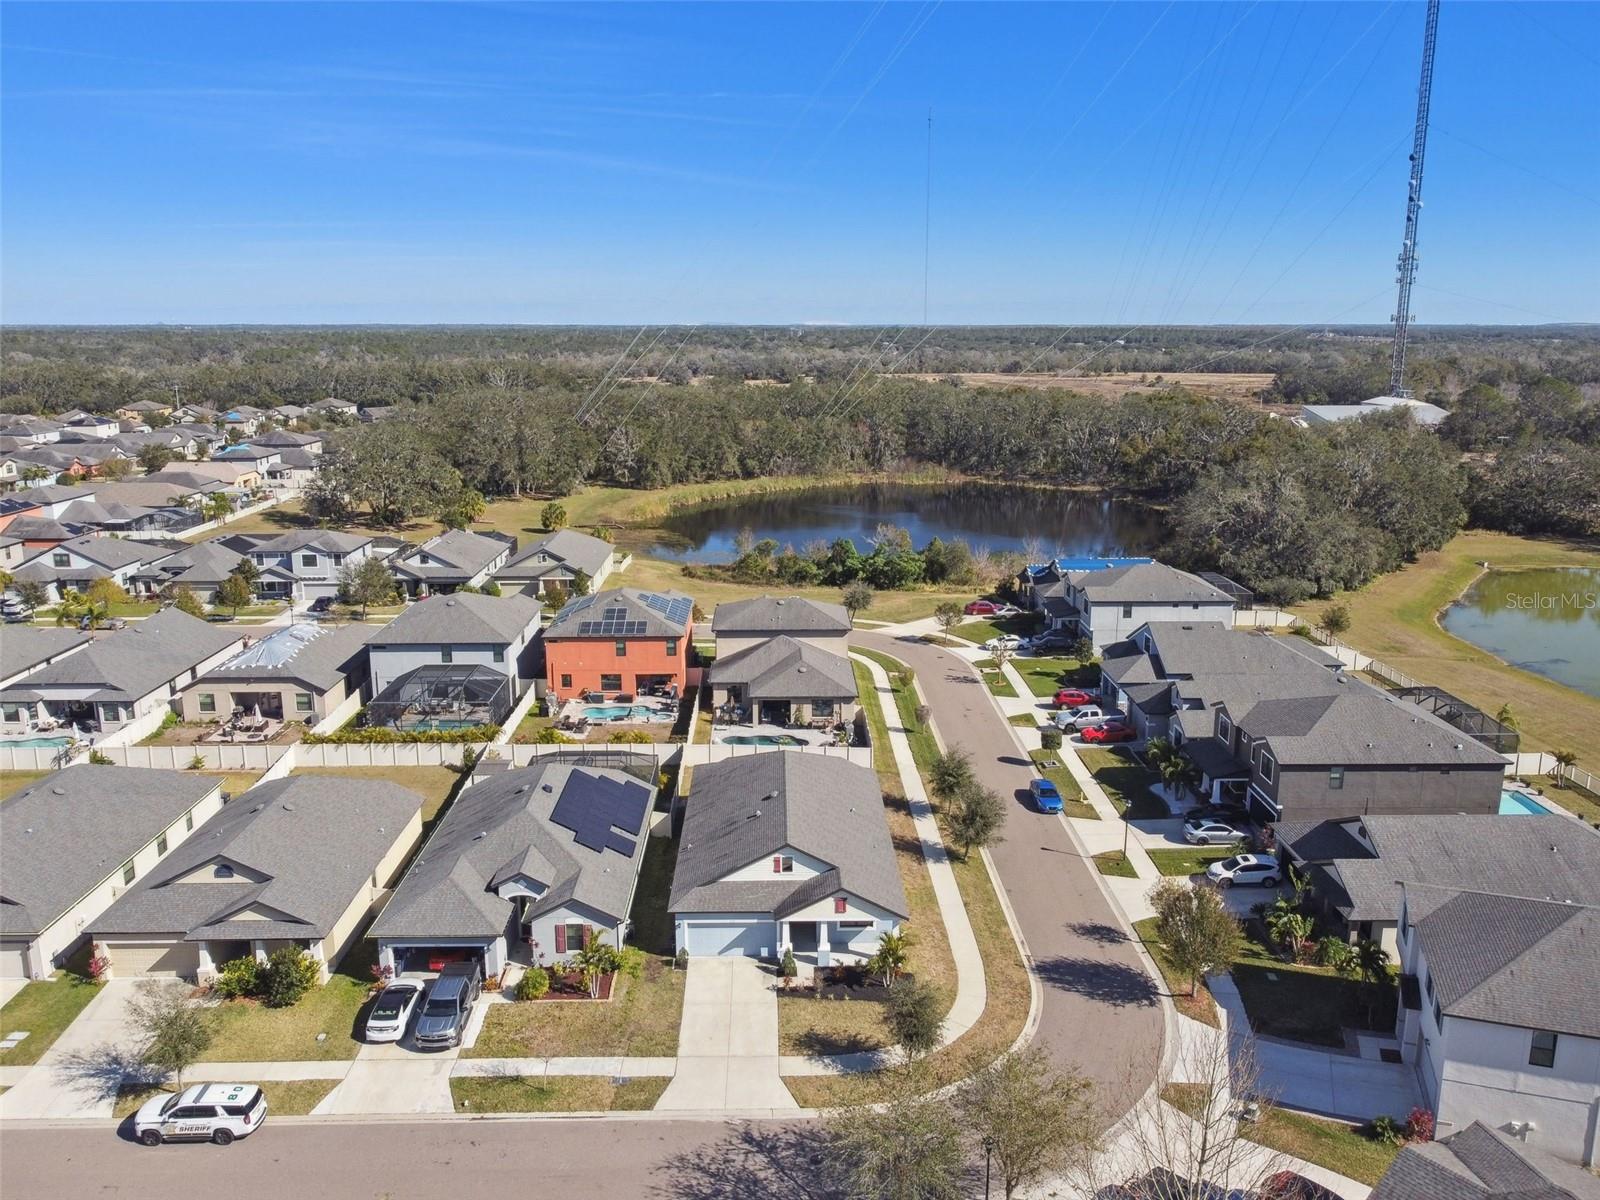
[1107, 603]
[302, 566]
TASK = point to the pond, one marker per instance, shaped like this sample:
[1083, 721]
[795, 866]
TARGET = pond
[994, 516]
[1546, 621]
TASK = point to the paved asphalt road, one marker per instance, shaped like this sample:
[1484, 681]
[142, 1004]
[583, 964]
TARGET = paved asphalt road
[1100, 1010]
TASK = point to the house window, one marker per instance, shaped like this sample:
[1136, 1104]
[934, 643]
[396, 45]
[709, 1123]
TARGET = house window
[60, 560]
[161, 845]
[672, 647]
[1438, 1017]
[499, 655]
[188, 821]
[302, 702]
[1224, 728]
[208, 702]
[1268, 766]
[12, 712]
[1127, 610]
[222, 871]
[308, 560]
[1336, 779]
[338, 561]
[853, 924]
[1542, 1050]
[622, 649]
[840, 904]
[611, 683]
[569, 938]
[566, 682]
[127, 871]
[447, 654]
[822, 708]
[782, 864]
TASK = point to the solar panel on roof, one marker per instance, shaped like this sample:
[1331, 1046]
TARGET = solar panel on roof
[602, 813]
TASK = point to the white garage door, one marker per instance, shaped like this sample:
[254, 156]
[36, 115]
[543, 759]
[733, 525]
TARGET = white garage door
[13, 960]
[746, 938]
[132, 959]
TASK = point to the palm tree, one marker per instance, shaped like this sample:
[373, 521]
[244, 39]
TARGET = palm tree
[1564, 759]
[594, 962]
[1300, 880]
[1370, 962]
[890, 960]
[76, 607]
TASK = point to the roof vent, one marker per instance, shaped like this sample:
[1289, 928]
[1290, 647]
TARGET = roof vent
[55, 791]
[754, 815]
[547, 787]
[287, 807]
[770, 796]
[480, 835]
[258, 808]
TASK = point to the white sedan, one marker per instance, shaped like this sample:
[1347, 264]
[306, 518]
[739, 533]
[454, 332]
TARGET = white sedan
[1006, 641]
[392, 1009]
[1244, 869]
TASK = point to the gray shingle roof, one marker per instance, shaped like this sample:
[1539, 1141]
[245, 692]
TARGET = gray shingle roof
[25, 646]
[1147, 583]
[565, 546]
[461, 618]
[1510, 960]
[456, 554]
[203, 563]
[742, 810]
[1478, 1163]
[301, 849]
[318, 656]
[781, 668]
[301, 539]
[779, 614]
[649, 609]
[60, 837]
[135, 661]
[502, 827]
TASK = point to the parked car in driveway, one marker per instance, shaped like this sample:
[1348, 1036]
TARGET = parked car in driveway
[448, 1005]
[391, 1010]
[1049, 640]
[206, 1112]
[1084, 716]
[1210, 833]
[1006, 641]
[321, 606]
[1073, 697]
[1107, 732]
[1046, 796]
[1245, 870]
[990, 608]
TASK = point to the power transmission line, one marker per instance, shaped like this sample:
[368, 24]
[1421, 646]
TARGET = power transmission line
[1408, 245]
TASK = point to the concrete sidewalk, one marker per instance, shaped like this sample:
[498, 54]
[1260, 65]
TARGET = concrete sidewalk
[80, 1074]
[728, 1041]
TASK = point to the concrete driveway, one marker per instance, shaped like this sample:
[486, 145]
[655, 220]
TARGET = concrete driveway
[80, 1074]
[9, 988]
[728, 1040]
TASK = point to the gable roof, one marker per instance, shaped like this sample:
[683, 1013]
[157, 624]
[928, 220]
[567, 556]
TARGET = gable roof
[454, 554]
[1508, 959]
[25, 646]
[327, 540]
[586, 553]
[307, 845]
[200, 563]
[1148, 583]
[462, 617]
[318, 656]
[623, 613]
[742, 810]
[135, 661]
[1479, 1163]
[72, 829]
[780, 614]
[503, 827]
[781, 668]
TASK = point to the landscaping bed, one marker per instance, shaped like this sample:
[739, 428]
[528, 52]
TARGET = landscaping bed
[556, 1093]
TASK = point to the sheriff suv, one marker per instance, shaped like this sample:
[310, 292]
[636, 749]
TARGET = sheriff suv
[206, 1112]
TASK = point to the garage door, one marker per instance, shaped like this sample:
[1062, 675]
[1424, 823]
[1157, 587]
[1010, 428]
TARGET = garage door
[13, 960]
[746, 938]
[131, 959]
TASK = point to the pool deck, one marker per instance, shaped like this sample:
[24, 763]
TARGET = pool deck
[720, 735]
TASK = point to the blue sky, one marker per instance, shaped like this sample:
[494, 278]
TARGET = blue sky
[1130, 163]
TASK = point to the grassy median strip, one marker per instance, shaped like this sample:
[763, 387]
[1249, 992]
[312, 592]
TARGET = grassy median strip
[285, 1097]
[1188, 862]
[1048, 763]
[1332, 1144]
[1200, 1006]
[555, 1093]
[1116, 863]
[923, 748]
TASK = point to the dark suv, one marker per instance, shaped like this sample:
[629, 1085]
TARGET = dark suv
[448, 1004]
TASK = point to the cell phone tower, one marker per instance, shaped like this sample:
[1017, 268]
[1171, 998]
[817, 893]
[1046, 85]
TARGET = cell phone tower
[1408, 248]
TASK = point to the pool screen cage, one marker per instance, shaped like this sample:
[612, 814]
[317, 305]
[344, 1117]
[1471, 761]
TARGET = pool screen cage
[1242, 596]
[443, 696]
[1471, 721]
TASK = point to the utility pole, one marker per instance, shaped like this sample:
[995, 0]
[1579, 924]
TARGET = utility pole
[1408, 247]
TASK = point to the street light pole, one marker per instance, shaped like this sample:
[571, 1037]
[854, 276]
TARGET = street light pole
[988, 1149]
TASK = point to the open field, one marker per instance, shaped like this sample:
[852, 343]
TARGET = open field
[1394, 619]
[1228, 385]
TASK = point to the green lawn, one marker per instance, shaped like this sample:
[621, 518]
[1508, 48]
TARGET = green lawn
[245, 1031]
[652, 921]
[1305, 1003]
[1331, 1144]
[1126, 782]
[12, 782]
[980, 630]
[640, 1020]
[44, 1007]
[1049, 764]
[555, 1093]
[809, 1025]
[285, 1097]
[994, 678]
[1189, 861]
[1023, 720]
[1115, 862]
[1200, 1006]
[1046, 676]
[923, 747]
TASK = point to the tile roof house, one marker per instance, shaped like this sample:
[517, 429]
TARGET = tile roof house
[74, 841]
[456, 558]
[555, 559]
[301, 861]
[314, 674]
[785, 849]
[1481, 1163]
[123, 685]
[619, 642]
[537, 856]
[1497, 1012]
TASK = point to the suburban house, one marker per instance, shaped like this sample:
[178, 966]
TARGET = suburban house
[785, 850]
[622, 641]
[300, 566]
[257, 458]
[125, 682]
[52, 499]
[1106, 600]
[300, 861]
[76, 563]
[39, 430]
[1355, 865]
[294, 469]
[77, 839]
[451, 661]
[201, 567]
[740, 624]
[1497, 1013]
[784, 681]
[119, 519]
[332, 406]
[26, 648]
[555, 560]
[1277, 725]
[528, 863]
[287, 414]
[158, 491]
[142, 410]
[286, 439]
[12, 551]
[95, 425]
[243, 418]
[307, 673]
[169, 437]
[456, 558]
[236, 476]
[1482, 1163]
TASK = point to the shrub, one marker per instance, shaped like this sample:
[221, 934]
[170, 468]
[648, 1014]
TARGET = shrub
[788, 970]
[914, 1017]
[238, 978]
[1384, 1128]
[198, 762]
[1050, 738]
[630, 735]
[631, 961]
[550, 736]
[99, 964]
[99, 759]
[1334, 952]
[681, 960]
[1419, 1125]
[383, 735]
[290, 974]
[535, 982]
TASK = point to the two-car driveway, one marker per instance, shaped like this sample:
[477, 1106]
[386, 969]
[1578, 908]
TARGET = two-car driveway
[1100, 1011]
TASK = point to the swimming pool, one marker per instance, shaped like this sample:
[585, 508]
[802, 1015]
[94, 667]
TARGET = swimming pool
[37, 743]
[1520, 804]
[617, 712]
[763, 739]
[439, 724]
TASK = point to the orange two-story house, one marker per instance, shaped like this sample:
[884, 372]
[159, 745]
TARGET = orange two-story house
[619, 641]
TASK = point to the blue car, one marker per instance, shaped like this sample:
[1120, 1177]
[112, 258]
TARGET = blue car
[1045, 796]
